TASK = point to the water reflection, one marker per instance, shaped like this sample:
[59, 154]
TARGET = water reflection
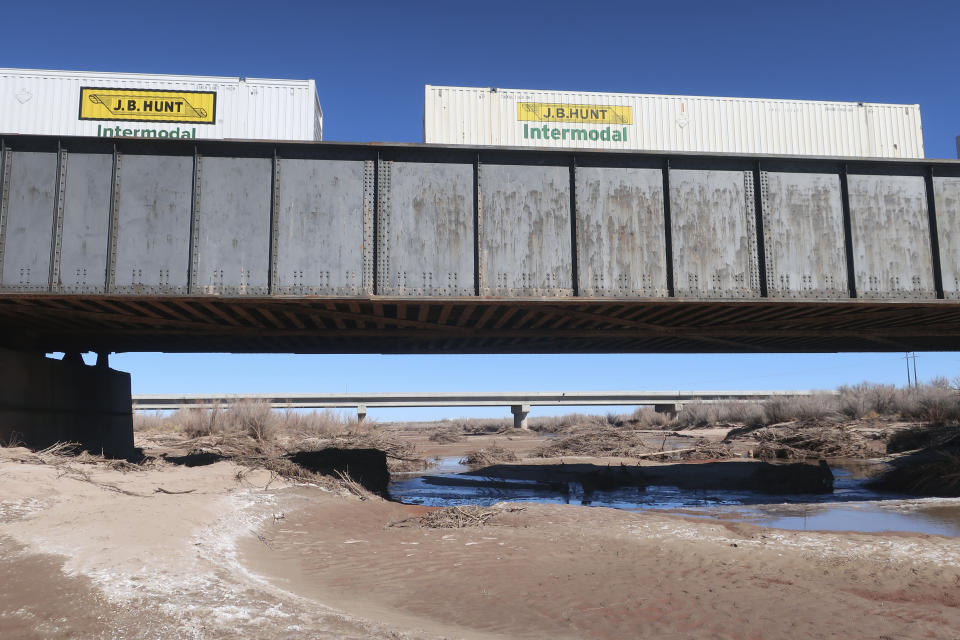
[851, 507]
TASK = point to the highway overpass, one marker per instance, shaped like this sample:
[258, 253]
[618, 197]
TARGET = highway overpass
[519, 402]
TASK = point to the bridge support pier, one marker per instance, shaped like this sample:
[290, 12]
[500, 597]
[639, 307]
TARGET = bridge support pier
[45, 401]
[520, 413]
[671, 409]
[361, 413]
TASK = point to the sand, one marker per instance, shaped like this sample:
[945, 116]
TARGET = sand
[98, 553]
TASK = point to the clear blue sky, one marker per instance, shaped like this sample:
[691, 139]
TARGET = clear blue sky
[371, 60]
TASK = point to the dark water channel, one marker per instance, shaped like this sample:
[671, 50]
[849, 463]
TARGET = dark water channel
[852, 506]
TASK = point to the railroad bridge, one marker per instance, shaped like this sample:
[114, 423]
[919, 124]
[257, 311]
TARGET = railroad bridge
[203, 246]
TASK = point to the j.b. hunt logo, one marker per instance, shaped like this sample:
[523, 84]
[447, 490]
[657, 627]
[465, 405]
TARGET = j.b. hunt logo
[587, 114]
[146, 105]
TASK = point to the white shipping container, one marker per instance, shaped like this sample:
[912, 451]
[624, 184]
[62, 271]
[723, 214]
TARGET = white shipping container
[74, 103]
[568, 119]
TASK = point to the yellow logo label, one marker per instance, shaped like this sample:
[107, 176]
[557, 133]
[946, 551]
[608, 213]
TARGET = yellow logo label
[146, 105]
[589, 113]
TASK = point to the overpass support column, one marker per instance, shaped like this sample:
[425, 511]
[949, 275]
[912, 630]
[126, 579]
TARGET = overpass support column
[45, 401]
[671, 409]
[520, 413]
[361, 413]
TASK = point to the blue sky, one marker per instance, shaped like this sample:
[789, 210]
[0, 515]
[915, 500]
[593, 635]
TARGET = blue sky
[371, 60]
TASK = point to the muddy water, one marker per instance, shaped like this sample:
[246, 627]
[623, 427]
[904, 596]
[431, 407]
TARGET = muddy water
[851, 507]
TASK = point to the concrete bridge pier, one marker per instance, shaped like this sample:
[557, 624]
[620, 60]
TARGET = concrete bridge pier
[670, 409]
[44, 401]
[520, 413]
[361, 413]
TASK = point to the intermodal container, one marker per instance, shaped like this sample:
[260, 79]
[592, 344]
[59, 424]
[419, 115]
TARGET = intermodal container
[133, 105]
[640, 122]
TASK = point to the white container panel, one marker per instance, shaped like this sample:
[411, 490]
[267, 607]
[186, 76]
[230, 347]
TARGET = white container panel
[484, 116]
[48, 103]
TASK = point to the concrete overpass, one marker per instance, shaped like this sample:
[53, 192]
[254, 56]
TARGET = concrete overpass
[519, 402]
[163, 245]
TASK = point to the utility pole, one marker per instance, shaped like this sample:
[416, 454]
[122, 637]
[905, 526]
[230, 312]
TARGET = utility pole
[908, 356]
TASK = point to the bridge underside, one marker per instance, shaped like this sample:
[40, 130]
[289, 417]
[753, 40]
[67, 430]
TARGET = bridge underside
[44, 323]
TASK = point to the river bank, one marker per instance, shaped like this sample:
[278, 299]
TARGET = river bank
[221, 550]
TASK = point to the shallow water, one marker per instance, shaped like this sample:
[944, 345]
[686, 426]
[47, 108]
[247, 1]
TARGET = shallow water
[851, 507]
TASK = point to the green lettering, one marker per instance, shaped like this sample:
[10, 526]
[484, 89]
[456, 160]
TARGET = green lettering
[535, 133]
[148, 133]
[555, 134]
[605, 134]
[578, 134]
[126, 132]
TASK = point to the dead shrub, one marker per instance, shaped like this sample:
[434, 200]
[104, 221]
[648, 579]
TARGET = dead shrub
[254, 419]
[750, 414]
[816, 406]
[855, 401]
[704, 450]
[494, 454]
[457, 517]
[935, 404]
[647, 418]
[803, 443]
[696, 414]
[446, 436]
[595, 443]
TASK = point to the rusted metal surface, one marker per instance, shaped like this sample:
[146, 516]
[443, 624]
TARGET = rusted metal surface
[134, 245]
[803, 233]
[232, 226]
[82, 265]
[525, 244]
[947, 198]
[891, 237]
[620, 233]
[428, 229]
[714, 236]
[28, 222]
[319, 239]
[150, 238]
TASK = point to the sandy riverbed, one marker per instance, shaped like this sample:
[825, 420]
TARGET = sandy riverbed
[98, 553]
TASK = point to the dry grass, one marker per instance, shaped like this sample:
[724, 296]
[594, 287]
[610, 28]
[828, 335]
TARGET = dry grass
[596, 442]
[255, 419]
[647, 418]
[494, 454]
